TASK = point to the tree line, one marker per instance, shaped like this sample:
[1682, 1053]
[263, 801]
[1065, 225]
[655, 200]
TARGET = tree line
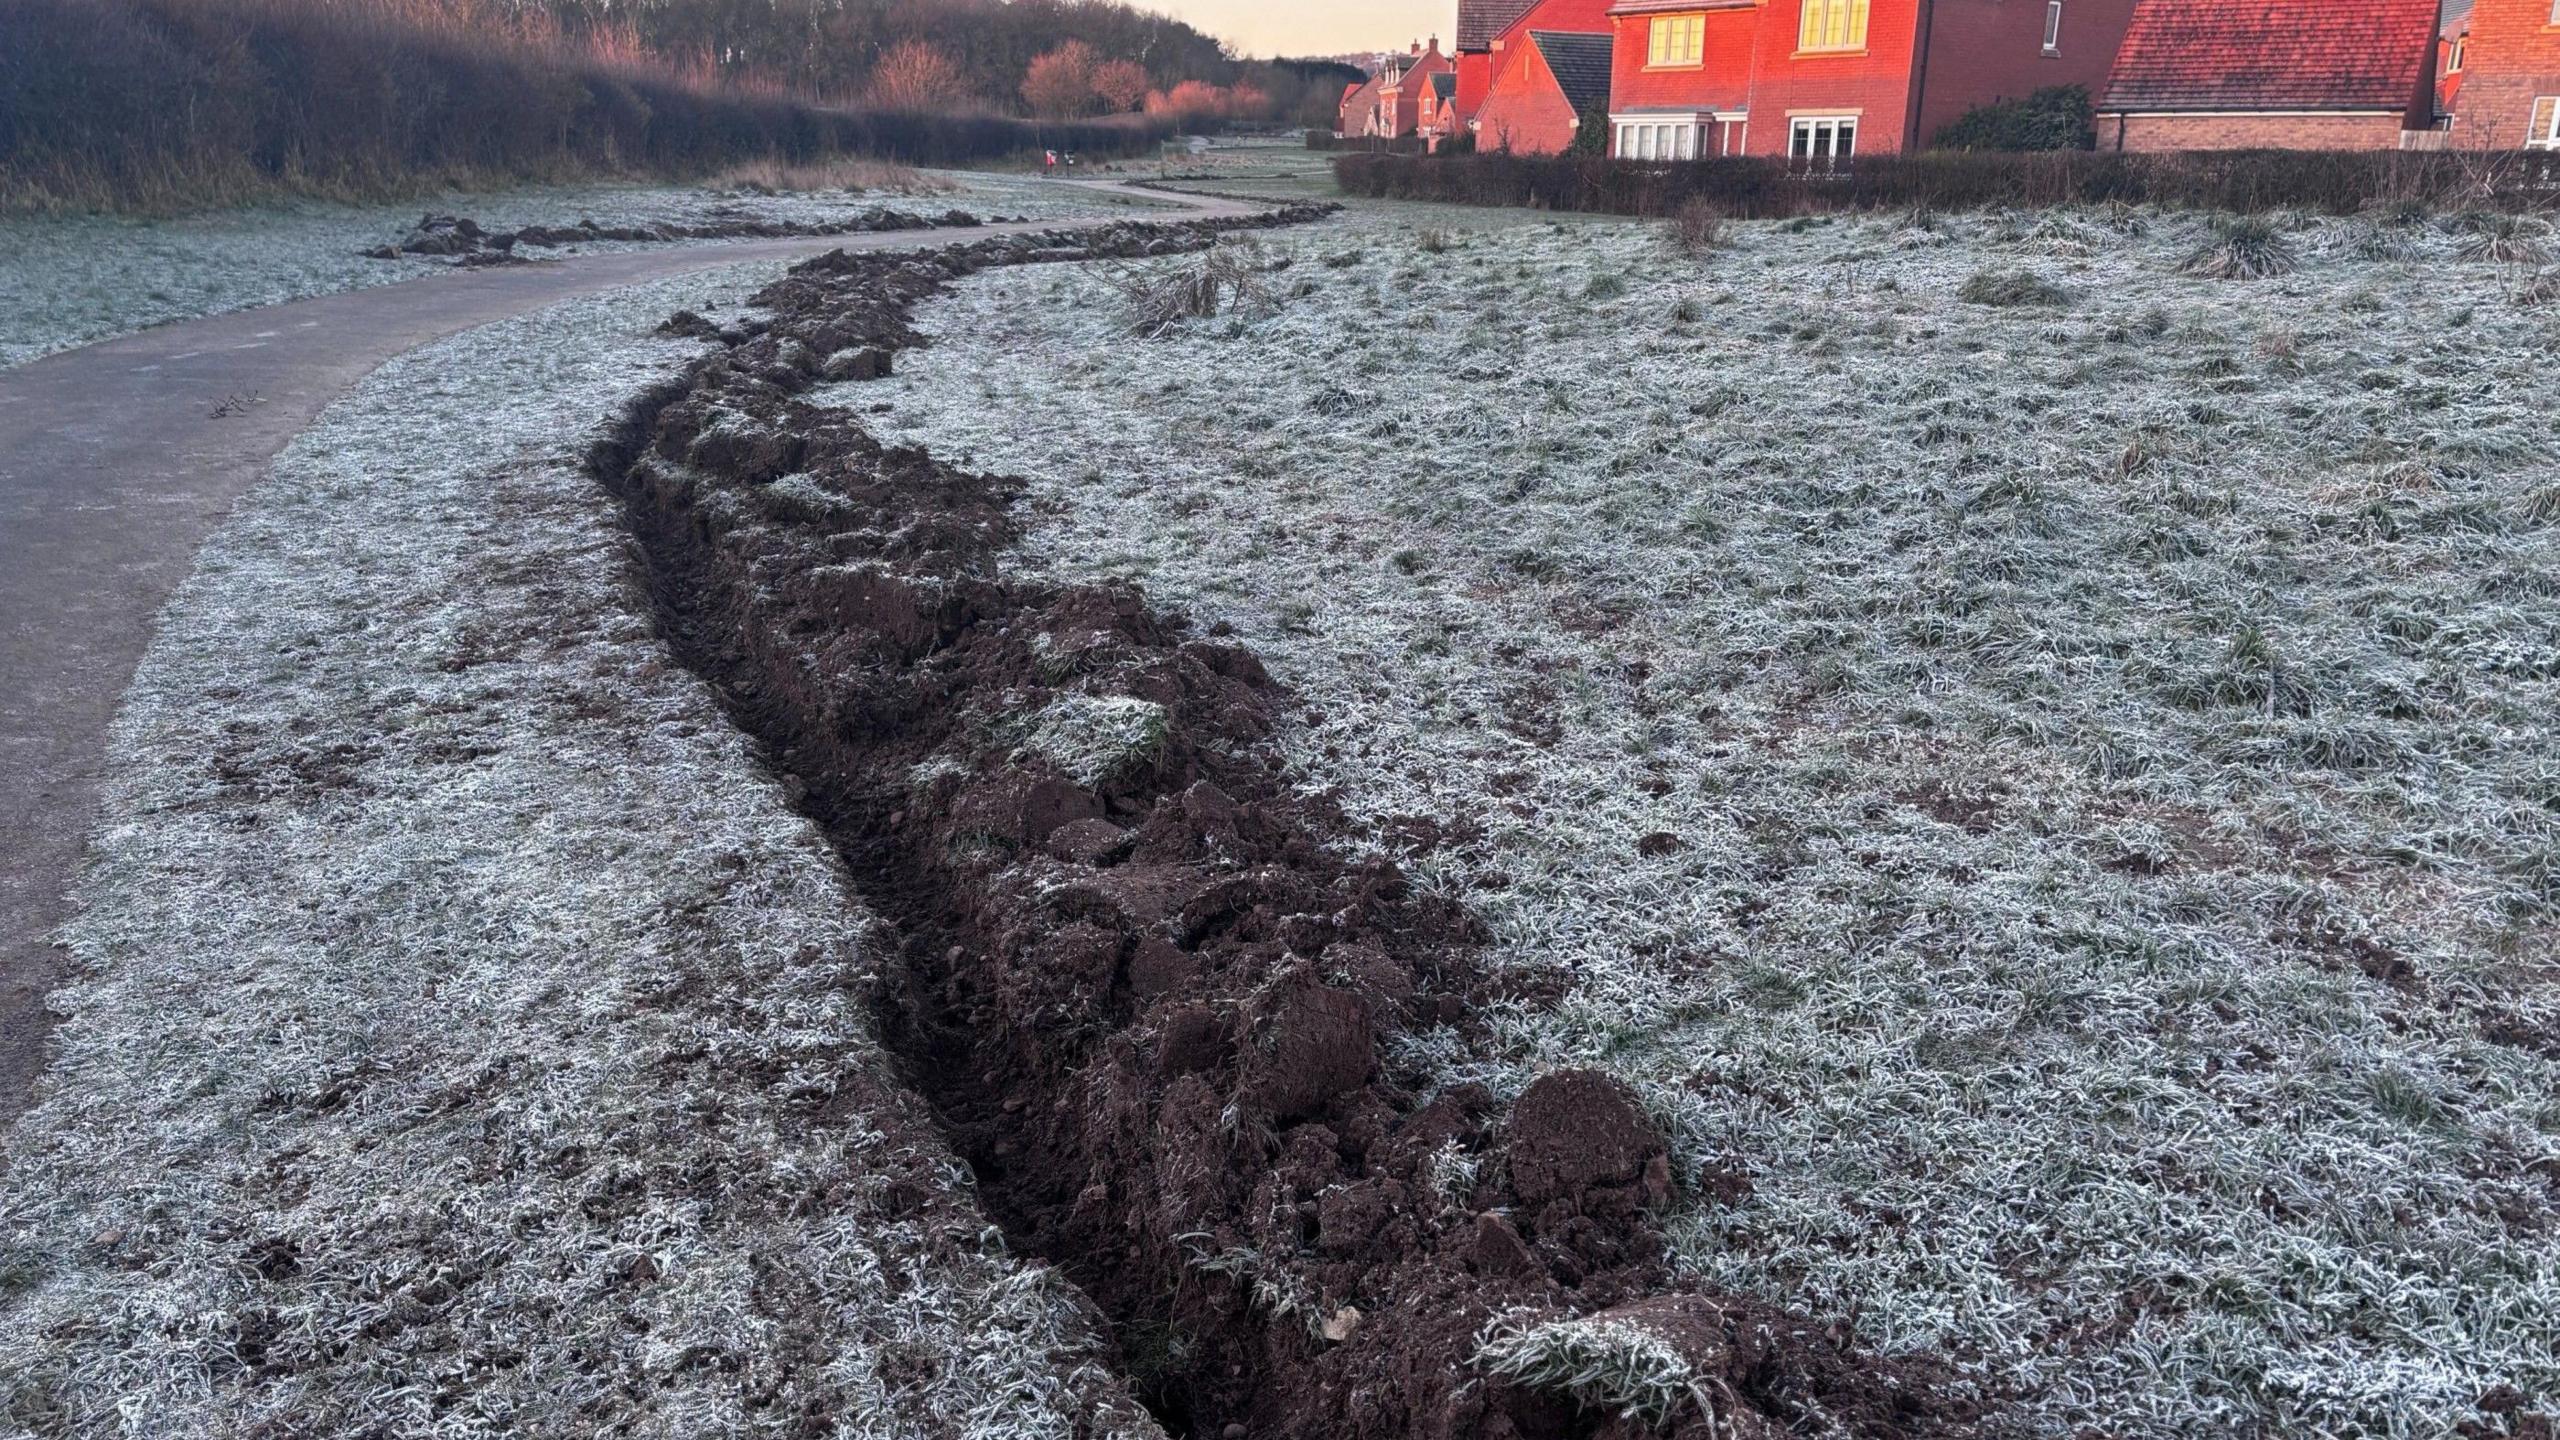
[1052, 58]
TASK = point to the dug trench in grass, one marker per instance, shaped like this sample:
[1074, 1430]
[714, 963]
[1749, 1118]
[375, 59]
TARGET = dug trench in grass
[1151, 1005]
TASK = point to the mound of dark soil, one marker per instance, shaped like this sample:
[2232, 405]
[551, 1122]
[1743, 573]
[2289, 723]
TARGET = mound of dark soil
[466, 242]
[1150, 1001]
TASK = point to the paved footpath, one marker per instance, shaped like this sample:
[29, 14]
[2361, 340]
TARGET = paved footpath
[118, 459]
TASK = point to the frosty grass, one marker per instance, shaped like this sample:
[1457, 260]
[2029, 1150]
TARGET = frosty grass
[70, 280]
[2100, 752]
[468, 1013]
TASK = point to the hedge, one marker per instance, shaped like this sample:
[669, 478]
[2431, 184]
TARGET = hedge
[2243, 181]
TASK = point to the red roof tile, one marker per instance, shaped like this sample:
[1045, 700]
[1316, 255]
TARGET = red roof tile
[2273, 55]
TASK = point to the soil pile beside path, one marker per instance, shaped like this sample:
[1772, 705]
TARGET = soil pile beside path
[466, 242]
[1156, 1010]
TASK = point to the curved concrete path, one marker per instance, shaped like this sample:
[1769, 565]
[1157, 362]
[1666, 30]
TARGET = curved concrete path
[118, 459]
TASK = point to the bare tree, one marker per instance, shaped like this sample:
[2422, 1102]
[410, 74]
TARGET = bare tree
[1060, 83]
[915, 76]
[1121, 84]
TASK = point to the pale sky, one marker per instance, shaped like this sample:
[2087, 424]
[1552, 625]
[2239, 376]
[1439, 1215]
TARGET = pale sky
[1315, 27]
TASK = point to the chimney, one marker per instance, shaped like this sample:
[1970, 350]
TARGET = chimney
[1417, 47]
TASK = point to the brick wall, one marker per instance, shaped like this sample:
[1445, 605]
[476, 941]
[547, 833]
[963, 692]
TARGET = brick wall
[2250, 132]
[1721, 82]
[2514, 56]
[1475, 76]
[1525, 112]
[1874, 84]
[1981, 51]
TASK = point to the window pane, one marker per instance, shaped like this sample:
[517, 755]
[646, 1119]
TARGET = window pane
[1847, 142]
[1857, 34]
[2053, 24]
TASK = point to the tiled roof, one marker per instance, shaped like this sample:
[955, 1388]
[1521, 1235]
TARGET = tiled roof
[2449, 21]
[2272, 55]
[1580, 63]
[1481, 22]
[1444, 83]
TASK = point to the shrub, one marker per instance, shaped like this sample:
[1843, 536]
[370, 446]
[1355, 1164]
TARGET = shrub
[2059, 117]
[2010, 288]
[1160, 297]
[1591, 132]
[2243, 247]
[1697, 226]
[2506, 239]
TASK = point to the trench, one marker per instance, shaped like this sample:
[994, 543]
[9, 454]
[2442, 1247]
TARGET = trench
[1147, 1000]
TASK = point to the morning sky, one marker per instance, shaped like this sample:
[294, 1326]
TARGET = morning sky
[1314, 27]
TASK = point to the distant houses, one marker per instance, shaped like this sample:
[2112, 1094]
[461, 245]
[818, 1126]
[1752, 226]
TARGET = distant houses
[1821, 81]
[1390, 104]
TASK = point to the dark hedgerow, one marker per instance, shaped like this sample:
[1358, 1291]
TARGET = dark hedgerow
[119, 103]
[2058, 117]
[1756, 188]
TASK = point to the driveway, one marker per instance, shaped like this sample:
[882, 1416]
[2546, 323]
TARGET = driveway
[118, 459]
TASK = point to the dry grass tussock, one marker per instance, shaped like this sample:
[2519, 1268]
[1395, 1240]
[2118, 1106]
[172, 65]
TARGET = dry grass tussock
[2054, 810]
[1158, 297]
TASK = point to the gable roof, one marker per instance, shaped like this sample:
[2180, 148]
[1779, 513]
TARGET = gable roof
[1481, 22]
[1444, 83]
[1580, 63]
[2273, 55]
[2455, 15]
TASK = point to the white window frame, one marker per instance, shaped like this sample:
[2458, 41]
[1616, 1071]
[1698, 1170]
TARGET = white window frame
[2053, 27]
[1692, 27]
[2453, 61]
[1831, 27]
[1825, 131]
[2542, 132]
[1687, 135]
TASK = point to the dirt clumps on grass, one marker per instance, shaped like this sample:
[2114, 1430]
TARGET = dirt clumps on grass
[1152, 1004]
[465, 242]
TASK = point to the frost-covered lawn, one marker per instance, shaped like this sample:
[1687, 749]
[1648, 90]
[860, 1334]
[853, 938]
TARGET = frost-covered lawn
[2056, 805]
[473, 1043]
[70, 280]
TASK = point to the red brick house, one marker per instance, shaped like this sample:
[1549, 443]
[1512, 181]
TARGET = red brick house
[1439, 119]
[1826, 79]
[1480, 24]
[1522, 75]
[2274, 74]
[1390, 104]
[1539, 100]
[2508, 93]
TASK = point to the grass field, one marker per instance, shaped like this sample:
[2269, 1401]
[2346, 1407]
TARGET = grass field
[2036, 763]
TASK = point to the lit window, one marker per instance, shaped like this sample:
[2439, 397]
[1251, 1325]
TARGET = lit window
[1833, 25]
[1678, 40]
[2545, 131]
[2052, 26]
[1823, 139]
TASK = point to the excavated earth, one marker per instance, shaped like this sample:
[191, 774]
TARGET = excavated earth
[1146, 998]
[465, 241]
